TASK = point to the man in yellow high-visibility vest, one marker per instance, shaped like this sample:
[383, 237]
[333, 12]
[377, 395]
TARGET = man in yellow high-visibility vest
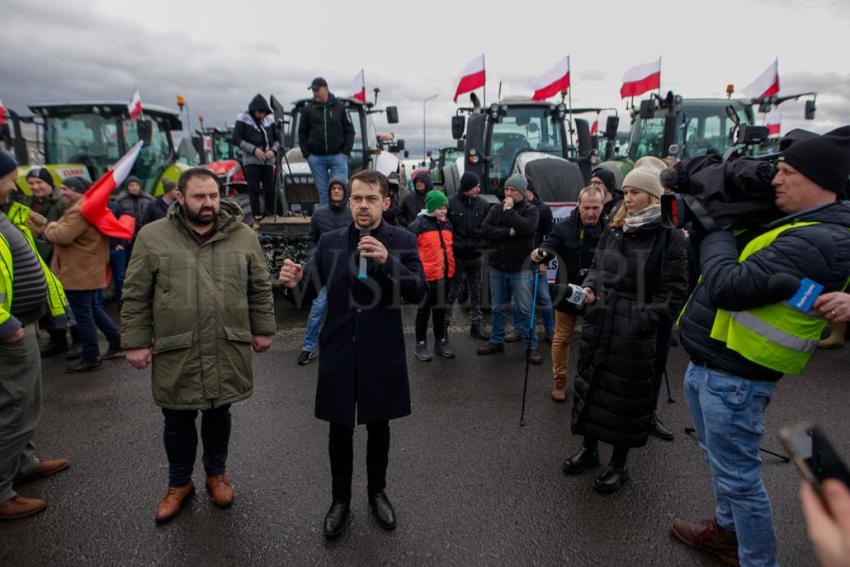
[743, 335]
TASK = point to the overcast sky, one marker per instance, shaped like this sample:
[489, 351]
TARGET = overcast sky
[219, 54]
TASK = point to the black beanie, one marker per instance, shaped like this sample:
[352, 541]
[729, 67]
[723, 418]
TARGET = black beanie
[77, 184]
[468, 180]
[132, 179]
[823, 159]
[7, 164]
[607, 178]
[42, 174]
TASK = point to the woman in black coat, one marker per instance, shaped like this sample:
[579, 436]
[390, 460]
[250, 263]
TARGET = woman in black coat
[636, 281]
[255, 134]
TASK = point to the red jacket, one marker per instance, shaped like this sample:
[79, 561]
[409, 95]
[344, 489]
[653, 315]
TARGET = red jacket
[434, 239]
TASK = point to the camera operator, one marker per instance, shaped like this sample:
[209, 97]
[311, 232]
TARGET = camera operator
[742, 336]
[573, 241]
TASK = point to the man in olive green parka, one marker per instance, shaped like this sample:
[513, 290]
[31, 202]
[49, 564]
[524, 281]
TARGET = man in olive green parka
[197, 299]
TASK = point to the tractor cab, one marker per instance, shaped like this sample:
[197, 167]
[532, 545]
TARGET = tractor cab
[214, 144]
[88, 138]
[441, 170]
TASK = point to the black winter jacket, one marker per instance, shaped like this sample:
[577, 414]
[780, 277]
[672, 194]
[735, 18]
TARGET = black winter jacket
[511, 253]
[330, 217]
[249, 135]
[155, 211]
[574, 245]
[325, 129]
[544, 226]
[639, 280]
[467, 217]
[819, 252]
[134, 205]
[414, 202]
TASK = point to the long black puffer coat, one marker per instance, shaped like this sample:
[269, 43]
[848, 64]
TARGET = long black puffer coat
[639, 280]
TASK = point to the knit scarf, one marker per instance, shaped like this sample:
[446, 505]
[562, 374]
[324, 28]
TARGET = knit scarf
[643, 217]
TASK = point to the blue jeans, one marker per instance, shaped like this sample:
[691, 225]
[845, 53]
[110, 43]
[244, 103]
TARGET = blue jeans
[87, 307]
[544, 301]
[118, 265]
[728, 414]
[519, 284]
[314, 321]
[337, 164]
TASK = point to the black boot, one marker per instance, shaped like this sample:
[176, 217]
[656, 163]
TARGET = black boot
[581, 461]
[611, 478]
[335, 518]
[57, 344]
[658, 429]
[383, 511]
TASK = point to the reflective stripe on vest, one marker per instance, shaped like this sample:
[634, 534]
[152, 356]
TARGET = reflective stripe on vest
[775, 336]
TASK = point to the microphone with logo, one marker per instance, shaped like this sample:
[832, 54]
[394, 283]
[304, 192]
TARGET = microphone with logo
[361, 272]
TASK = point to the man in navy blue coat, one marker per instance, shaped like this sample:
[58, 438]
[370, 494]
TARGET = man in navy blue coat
[362, 362]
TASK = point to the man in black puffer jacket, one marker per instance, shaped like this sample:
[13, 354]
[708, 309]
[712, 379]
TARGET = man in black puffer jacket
[325, 219]
[743, 333]
[256, 136]
[511, 229]
[325, 136]
[466, 213]
[414, 202]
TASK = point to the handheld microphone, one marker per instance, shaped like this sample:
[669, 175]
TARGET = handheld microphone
[782, 286]
[361, 273]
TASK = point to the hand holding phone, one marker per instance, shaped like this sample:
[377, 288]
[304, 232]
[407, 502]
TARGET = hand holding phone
[814, 456]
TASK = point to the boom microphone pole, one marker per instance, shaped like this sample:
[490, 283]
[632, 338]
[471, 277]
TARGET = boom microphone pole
[528, 346]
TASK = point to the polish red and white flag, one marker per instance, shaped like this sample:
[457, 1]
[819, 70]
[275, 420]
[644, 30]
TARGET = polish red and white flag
[641, 79]
[2, 113]
[555, 80]
[472, 77]
[767, 84]
[93, 207]
[359, 87]
[773, 121]
[134, 107]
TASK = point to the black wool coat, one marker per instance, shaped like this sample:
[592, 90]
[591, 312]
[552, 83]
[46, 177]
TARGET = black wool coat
[362, 361]
[639, 280]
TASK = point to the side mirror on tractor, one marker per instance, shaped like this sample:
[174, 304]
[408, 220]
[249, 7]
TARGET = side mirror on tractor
[458, 126]
[400, 145]
[810, 110]
[611, 125]
[392, 115]
[647, 109]
[144, 130]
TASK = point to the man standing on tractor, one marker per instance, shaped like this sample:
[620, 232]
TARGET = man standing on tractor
[325, 136]
[256, 136]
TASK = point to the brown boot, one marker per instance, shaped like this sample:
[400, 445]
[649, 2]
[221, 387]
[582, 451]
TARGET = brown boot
[18, 507]
[174, 499]
[836, 336]
[45, 467]
[559, 389]
[709, 538]
[218, 485]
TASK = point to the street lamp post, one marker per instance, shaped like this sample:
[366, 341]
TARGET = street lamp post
[424, 125]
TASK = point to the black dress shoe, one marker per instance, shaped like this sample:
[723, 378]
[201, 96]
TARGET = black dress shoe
[335, 518]
[490, 348]
[581, 461]
[611, 479]
[54, 347]
[382, 510]
[534, 357]
[658, 429]
[76, 351]
[83, 364]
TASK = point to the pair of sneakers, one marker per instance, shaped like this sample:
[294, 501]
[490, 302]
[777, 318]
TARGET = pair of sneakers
[441, 348]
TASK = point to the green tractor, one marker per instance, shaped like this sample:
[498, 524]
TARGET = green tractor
[442, 170]
[87, 138]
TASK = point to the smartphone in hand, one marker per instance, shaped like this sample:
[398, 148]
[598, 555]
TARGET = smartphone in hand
[814, 456]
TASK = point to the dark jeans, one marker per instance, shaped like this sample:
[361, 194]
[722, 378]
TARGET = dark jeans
[87, 307]
[662, 353]
[181, 442]
[471, 270]
[340, 449]
[435, 302]
[118, 265]
[260, 179]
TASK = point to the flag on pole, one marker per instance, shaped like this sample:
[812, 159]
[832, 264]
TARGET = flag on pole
[359, 87]
[773, 121]
[472, 77]
[766, 84]
[594, 128]
[641, 79]
[553, 81]
[134, 107]
[93, 207]
[2, 113]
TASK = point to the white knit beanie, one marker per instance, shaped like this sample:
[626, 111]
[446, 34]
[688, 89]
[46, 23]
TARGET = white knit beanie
[645, 178]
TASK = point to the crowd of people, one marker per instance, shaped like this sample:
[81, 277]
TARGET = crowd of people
[622, 274]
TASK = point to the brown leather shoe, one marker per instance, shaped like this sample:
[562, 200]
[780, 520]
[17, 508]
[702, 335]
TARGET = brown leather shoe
[18, 507]
[45, 467]
[559, 389]
[218, 485]
[709, 538]
[174, 499]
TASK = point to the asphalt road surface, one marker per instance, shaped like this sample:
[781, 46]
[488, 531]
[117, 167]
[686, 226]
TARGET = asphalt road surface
[469, 485]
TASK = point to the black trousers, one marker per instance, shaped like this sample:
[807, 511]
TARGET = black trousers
[181, 442]
[471, 271]
[435, 302]
[260, 179]
[341, 451]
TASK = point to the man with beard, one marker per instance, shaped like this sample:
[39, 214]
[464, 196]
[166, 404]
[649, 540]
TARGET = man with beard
[197, 300]
[362, 363]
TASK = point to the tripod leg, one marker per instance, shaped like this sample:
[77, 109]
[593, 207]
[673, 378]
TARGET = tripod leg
[670, 399]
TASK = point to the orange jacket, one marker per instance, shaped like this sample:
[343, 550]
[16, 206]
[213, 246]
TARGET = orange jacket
[434, 239]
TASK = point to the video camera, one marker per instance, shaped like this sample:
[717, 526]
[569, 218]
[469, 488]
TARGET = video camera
[729, 192]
